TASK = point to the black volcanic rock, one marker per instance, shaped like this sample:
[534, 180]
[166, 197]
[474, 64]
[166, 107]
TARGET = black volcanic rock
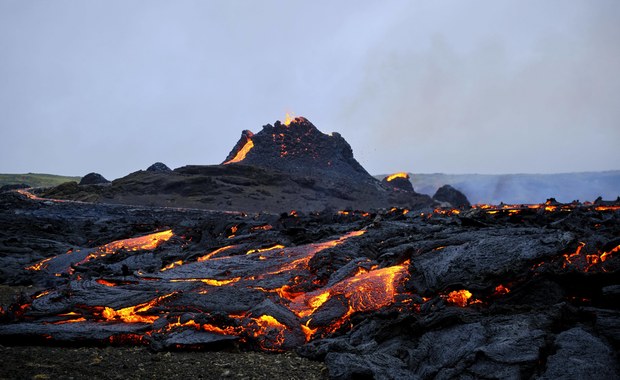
[93, 179]
[15, 186]
[449, 194]
[298, 148]
[398, 181]
[158, 167]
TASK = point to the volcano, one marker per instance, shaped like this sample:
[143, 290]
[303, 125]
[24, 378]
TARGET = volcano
[298, 147]
[286, 166]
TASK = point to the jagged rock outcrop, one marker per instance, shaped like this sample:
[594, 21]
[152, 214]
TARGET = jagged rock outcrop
[93, 179]
[449, 194]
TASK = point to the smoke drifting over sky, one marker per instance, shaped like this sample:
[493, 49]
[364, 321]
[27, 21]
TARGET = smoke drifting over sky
[448, 86]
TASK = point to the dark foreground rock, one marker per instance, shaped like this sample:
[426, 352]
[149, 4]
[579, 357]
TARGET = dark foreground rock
[506, 292]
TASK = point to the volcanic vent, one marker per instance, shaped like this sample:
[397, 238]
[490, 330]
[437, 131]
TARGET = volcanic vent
[297, 146]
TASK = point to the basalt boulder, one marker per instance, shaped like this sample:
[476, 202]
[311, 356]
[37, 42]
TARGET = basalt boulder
[449, 194]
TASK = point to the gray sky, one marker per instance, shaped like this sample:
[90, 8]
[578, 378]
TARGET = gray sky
[423, 86]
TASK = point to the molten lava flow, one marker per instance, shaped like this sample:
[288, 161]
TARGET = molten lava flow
[607, 208]
[269, 327]
[208, 281]
[459, 297]
[142, 243]
[273, 247]
[568, 257]
[392, 177]
[210, 255]
[105, 282]
[172, 265]
[240, 156]
[586, 261]
[308, 331]
[364, 291]
[130, 314]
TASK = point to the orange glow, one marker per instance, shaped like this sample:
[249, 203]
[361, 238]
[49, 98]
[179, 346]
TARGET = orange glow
[172, 265]
[308, 332]
[142, 243]
[208, 281]
[501, 289]
[364, 292]
[452, 211]
[218, 330]
[81, 319]
[274, 247]
[392, 177]
[288, 118]
[210, 255]
[459, 297]
[587, 261]
[130, 314]
[604, 255]
[568, 257]
[105, 282]
[43, 293]
[267, 323]
[265, 227]
[40, 265]
[607, 208]
[240, 156]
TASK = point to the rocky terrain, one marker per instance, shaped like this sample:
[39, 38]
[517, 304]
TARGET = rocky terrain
[290, 256]
[285, 167]
[512, 292]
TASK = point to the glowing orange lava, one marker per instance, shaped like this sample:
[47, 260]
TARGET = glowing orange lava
[501, 289]
[364, 291]
[133, 314]
[240, 156]
[459, 297]
[210, 255]
[273, 247]
[392, 177]
[289, 118]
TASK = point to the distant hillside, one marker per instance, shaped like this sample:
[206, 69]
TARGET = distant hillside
[524, 188]
[35, 179]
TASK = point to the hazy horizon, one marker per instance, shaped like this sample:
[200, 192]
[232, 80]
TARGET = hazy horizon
[480, 87]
